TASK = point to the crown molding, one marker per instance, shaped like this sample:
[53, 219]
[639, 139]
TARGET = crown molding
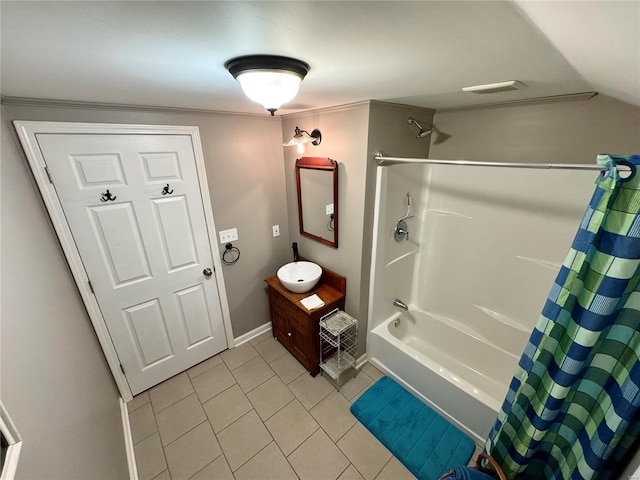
[571, 97]
[400, 106]
[337, 108]
[53, 103]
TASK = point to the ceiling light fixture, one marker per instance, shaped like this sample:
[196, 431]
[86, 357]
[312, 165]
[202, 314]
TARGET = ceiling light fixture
[301, 137]
[269, 80]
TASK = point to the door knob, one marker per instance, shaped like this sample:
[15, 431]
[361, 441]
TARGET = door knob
[207, 272]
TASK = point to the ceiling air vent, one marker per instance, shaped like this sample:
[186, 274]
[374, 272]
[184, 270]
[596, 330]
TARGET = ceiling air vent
[496, 87]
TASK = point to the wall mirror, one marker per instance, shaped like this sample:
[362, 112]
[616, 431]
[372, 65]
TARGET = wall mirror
[317, 182]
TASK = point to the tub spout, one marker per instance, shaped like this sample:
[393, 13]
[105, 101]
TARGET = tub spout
[399, 303]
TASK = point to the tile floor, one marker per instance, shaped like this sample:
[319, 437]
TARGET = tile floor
[254, 412]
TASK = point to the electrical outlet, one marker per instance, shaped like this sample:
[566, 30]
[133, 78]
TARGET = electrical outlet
[227, 236]
[329, 209]
[276, 230]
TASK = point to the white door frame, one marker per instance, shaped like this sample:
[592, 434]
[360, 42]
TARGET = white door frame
[27, 131]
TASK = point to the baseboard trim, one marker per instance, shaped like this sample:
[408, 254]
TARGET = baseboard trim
[252, 334]
[128, 441]
[361, 360]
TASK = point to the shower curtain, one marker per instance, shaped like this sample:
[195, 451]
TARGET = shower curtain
[573, 407]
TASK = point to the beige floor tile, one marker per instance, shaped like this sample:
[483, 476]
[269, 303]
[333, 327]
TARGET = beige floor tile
[310, 390]
[291, 426]
[163, 476]
[243, 439]
[202, 367]
[372, 371]
[226, 407]
[355, 386]
[143, 423]
[351, 474]
[138, 401]
[192, 452]
[357, 396]
[149, 457]
[252, 374]
[216, 470]
[477, 451]
[271, 350]
[179, 418]
[212, 382]
[234, 357]
[287, 368]
[170, 391]
[334, 416]
[261, 338]
[364, 451]
[395, 470]
[270, 397]
[318, 458]
[268, 464]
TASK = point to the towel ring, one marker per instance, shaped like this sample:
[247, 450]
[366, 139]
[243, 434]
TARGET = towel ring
[230, 255]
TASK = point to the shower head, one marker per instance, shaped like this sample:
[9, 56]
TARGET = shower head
[422, 133]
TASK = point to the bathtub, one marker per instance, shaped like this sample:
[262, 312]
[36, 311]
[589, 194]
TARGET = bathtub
[465, 384]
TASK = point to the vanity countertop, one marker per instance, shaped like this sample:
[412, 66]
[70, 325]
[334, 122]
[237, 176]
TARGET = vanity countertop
[327, 290]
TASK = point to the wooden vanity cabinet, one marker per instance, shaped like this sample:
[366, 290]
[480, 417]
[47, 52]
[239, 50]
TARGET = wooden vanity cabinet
[295, 326]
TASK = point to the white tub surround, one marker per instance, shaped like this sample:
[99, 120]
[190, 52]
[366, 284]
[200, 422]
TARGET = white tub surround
[483, 250]
[414, 347]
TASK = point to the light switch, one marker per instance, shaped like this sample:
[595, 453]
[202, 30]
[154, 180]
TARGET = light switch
[227, 236]
[276, 230]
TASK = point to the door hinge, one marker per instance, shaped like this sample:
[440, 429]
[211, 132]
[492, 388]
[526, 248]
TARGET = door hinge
[91, 287]
[122, 368]
[46, 169]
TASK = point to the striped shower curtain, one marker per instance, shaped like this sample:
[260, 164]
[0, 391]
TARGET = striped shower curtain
[573, 407]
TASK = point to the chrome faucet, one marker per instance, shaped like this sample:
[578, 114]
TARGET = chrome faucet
[399, 303]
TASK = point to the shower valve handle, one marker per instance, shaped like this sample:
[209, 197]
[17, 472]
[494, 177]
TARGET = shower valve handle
[401, 231]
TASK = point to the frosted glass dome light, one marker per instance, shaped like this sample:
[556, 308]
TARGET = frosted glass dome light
[270, 88]
[269, 80]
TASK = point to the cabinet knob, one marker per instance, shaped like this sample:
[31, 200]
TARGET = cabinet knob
[289, 334]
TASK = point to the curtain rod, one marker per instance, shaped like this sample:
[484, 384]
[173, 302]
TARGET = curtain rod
[384, 160]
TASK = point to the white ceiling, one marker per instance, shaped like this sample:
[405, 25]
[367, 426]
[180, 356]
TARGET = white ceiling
[419, 53]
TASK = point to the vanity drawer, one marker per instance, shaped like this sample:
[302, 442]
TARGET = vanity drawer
[285, 307]
[300, 322]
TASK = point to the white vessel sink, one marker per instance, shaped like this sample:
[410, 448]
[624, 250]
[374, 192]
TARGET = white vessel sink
[299, 277]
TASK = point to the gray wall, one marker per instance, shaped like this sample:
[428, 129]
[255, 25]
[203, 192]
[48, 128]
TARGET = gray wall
[390, 133]
[352, 134]
[344, 134]
[55, 382]
[243, 158]
[569, 131]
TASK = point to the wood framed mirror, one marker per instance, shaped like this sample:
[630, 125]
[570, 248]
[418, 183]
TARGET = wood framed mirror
[317, 182]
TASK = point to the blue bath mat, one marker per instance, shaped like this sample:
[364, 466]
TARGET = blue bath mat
[427, 444]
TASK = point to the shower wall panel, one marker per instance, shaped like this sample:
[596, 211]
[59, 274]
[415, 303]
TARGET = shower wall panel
[492, 242]
[394, 263]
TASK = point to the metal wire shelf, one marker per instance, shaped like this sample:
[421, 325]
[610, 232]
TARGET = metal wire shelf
[338, 344]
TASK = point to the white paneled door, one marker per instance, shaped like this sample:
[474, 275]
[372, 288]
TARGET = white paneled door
[134, 207]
